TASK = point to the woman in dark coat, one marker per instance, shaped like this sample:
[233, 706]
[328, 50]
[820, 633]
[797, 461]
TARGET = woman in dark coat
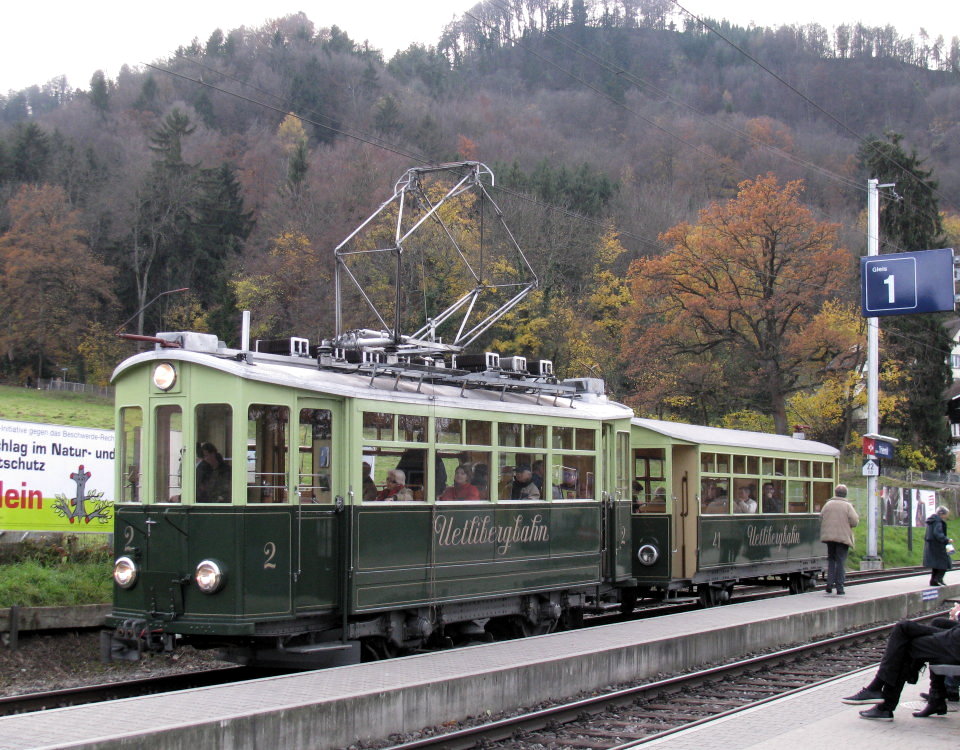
[935, 540]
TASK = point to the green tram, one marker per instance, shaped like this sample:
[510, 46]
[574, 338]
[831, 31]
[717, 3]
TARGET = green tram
[715, 507]
[297, 549]
[298, 509]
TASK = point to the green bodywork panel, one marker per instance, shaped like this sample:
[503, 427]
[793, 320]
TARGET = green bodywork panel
[740, 540]
[410, 555]
[655, 530]
[255, 546]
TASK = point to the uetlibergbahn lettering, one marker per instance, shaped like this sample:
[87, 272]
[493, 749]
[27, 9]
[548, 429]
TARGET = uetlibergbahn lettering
[22, 499]
[480, 529]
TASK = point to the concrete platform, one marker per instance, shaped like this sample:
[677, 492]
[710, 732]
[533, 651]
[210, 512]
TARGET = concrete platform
[336, 707]
[816, 718]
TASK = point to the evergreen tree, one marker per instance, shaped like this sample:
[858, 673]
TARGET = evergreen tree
[99, 93]
[30, 156]
[919, 343]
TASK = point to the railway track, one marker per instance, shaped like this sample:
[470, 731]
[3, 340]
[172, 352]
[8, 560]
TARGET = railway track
[146, 686]
[629, 717]
[743, 594]
[75, 696]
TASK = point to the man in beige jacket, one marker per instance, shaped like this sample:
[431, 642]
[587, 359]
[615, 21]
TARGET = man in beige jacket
[837, 519]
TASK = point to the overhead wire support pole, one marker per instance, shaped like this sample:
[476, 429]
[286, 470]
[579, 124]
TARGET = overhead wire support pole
[872, 560]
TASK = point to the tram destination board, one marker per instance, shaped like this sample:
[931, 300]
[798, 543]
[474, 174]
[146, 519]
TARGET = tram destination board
[907, 283]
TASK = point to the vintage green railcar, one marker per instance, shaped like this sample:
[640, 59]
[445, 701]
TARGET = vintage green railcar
[715, 507]
[256, 514]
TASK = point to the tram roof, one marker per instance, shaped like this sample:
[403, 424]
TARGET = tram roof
[387, 387]
[766, 441]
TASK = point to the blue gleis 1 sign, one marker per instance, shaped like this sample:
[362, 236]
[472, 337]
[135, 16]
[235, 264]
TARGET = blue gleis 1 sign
[905, 283]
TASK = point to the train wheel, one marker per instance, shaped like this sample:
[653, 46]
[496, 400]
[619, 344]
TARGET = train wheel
[798, 583]
[727, 594]
[376, 649]
[708, 597]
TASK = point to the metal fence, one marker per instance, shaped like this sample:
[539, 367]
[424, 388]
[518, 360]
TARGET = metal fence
[59, 384]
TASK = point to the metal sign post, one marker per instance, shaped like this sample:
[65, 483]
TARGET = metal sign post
[895, 284]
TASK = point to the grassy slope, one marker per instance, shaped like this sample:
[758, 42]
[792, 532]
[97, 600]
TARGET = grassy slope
[55, 407]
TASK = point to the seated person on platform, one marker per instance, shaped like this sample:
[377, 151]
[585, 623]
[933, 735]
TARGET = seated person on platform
[745, 502]
[369, 486]
[909, 647]
[462, 487]
[523, 487]
[213, 476]
[396, 488]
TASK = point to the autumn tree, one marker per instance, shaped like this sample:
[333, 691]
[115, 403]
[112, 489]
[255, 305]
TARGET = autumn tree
[51, 285]
[719, 320]
[829, 408]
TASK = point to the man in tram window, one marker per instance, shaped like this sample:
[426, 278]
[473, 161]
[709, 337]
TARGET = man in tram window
[213, 476]
[523, 487]
[772, 502]
[568, 487]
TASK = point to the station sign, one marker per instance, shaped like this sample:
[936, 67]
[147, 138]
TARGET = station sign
[871, 468]
[907, 283]
[877, 447]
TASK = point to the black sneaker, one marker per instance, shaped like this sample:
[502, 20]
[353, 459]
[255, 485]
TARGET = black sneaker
[877, 713]
[829, 589]
[864, 697]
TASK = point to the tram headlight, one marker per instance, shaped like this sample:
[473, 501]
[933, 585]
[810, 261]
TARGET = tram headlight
[648, 554]
[164, 376]
[125, 572]
[209, 576]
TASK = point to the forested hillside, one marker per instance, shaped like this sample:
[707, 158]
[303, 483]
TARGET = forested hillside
[690, 194]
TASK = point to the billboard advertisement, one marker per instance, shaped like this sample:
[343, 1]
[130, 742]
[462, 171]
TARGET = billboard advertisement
[56, 478]
[903, 506]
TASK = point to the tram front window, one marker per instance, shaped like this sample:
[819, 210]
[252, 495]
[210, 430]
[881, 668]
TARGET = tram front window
[315, 456]
[213, 469]
[267, 441]
[168, 463]
[131, 428]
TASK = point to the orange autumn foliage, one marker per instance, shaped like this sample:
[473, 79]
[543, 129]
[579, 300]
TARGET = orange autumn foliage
[725, 310]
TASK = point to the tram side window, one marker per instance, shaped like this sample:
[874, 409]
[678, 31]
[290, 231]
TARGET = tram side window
[822, 491]
[168, 461]
[267, 453]
[131, 433]
[573, 477]
[214, 457]
[522, 476]
[745, 496]
[714, 495]
[771, 500]
[470, 473]
[315, 456]
[799, 497]
[398, 474]
[649, 491]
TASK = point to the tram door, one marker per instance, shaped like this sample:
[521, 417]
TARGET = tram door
[319, 473]
[618, 523]
[686, 488]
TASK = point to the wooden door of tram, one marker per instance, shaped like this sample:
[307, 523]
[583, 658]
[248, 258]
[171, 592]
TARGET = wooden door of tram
[685, 504]
[618, 563]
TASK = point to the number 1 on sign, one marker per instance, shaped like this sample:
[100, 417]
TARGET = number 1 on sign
[889, 282]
